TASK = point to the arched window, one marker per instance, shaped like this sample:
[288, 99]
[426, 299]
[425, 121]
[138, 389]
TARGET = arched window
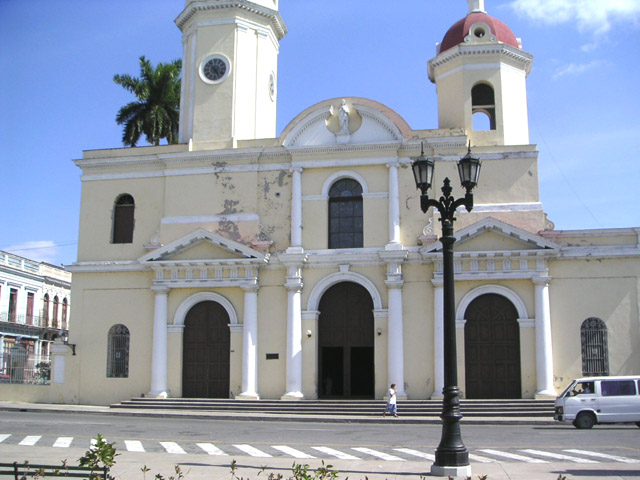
[45, 310]
[65, 306]
[345, 214]
[54, 320]
[483, 107]
[595, 349]
[118, 351]
[123, 219]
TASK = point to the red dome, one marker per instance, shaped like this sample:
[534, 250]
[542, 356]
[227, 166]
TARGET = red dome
[460, 29]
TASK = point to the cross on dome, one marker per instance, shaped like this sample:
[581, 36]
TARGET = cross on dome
[476, 6]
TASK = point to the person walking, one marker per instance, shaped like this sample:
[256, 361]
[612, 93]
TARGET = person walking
[392, 406]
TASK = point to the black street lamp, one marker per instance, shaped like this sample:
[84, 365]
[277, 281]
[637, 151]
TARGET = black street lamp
[452, 457]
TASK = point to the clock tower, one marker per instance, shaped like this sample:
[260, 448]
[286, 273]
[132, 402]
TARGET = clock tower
[229, 71]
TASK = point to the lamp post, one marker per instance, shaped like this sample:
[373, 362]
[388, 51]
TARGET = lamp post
[452, 457]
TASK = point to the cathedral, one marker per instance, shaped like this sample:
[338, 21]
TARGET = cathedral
[241, 264]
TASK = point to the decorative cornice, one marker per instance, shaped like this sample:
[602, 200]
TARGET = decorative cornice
[463, 50]
[197, 6]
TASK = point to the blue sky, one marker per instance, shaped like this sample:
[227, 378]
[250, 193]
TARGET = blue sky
[57, 96]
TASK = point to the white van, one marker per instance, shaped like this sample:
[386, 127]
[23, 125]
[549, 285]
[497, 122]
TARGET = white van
[590, 400]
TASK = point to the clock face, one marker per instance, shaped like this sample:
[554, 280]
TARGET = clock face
[215, 69]
[272, 87]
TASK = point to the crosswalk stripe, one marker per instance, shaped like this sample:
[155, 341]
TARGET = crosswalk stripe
[335, 453]
[416, 453]
[375, 453]
[63, 442]
[512, 456]
[134, 446]
[172, 447]
[30, 440]
[4, 436]
[211, 449]
[254, 452]
[292, 451]
[558, 456]
[480, 458]
[603, 455]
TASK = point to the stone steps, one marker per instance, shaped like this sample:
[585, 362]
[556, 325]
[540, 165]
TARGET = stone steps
[422, 408]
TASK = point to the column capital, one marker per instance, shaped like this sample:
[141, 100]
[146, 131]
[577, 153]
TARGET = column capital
[253, 288]
[393, 163]
[296, 168]
[160, 289]
[394, 283]
[293, 285]
[437, 282]
[541, 280]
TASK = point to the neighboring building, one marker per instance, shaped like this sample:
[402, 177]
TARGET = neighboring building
[34, 310]
[240, 264]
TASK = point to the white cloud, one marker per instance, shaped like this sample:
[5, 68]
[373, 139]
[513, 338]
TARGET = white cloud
[596, 16]
[39, 251]
[577, 68]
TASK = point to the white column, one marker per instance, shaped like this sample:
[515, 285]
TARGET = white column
[438, 338]
[159, 352]
[395, 343]
[296, 209]
[544, 351]
[294, 343]
[394, 208]
[250, 344]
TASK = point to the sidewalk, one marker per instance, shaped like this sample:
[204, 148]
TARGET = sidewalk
[255, 416]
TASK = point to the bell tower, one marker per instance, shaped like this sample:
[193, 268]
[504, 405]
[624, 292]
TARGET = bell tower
[480, 73]
[229, 71]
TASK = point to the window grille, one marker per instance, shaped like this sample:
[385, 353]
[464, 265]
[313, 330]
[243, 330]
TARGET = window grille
[123, 219]
[595, 349]
[118, 352]
[345, 214]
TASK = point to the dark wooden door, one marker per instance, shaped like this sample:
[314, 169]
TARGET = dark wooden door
[492, 348]
[206, 345]
[346, 356]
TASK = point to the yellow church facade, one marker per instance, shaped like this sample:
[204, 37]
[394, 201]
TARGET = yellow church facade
[238, 264]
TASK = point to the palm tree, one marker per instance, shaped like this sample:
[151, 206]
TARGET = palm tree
[156, 113]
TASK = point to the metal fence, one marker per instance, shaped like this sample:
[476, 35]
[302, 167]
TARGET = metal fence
[18, 366]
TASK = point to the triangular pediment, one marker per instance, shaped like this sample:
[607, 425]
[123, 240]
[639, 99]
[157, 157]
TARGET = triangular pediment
[204, 246]
[490, 235]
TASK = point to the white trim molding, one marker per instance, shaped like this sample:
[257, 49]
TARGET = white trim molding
[509, 294]
[323, 285]
[187, 304]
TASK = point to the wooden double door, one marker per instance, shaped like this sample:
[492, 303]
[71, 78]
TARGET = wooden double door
[206, 347]
[345, 344]
[492, 348]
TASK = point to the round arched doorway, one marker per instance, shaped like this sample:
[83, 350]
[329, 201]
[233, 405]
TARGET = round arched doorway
[345, 343]
[206, 346]
[492, 348]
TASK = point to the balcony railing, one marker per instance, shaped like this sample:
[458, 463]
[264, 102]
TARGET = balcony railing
[35, 320]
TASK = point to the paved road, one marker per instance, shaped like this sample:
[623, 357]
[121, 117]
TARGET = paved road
[386, 446]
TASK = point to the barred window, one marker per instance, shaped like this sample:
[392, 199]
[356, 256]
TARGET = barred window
[123, 219]
[595, 349]
[345, 214]
[118, 352]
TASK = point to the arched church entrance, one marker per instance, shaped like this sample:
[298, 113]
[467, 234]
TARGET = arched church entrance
[206, 347]
[492, 348]
[345, 343]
